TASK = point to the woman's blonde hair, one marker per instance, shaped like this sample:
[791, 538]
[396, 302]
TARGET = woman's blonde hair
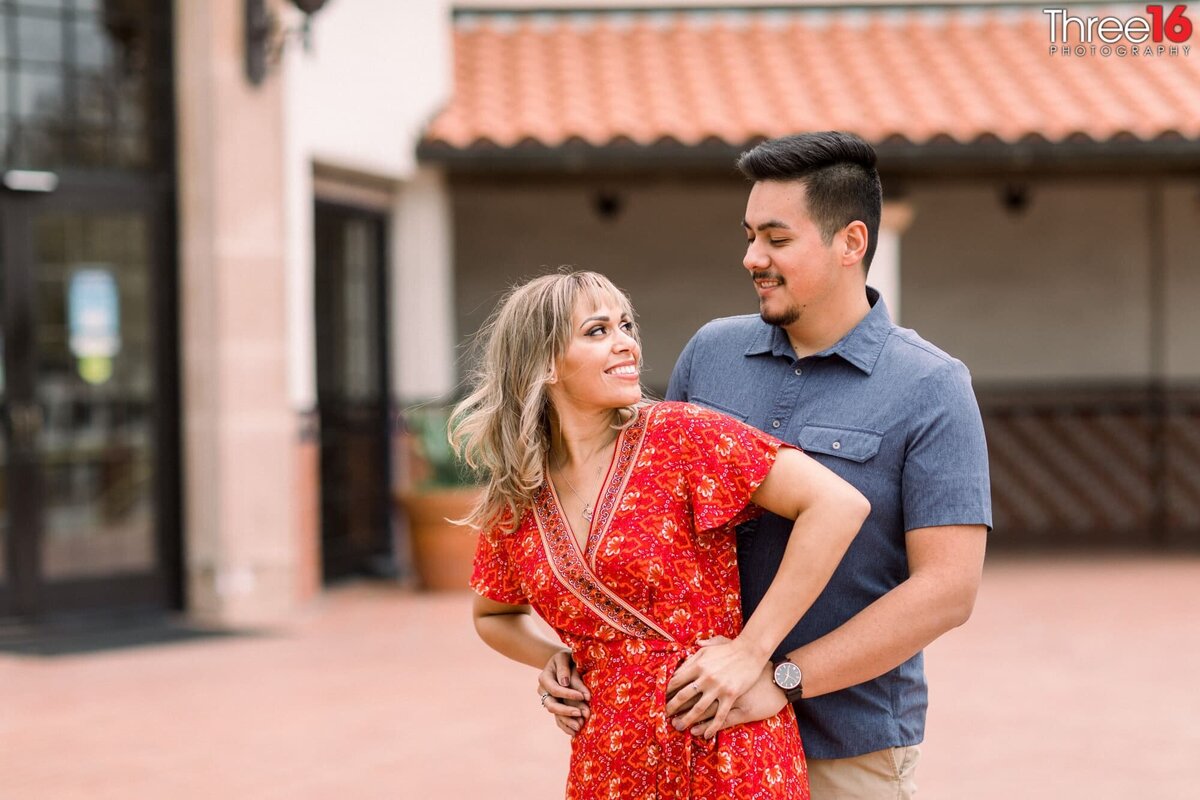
[502, 428]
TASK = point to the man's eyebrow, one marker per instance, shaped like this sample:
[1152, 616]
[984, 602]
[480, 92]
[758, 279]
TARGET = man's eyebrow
[771, 223]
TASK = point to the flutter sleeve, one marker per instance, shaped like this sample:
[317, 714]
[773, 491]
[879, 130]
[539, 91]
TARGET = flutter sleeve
[726, 462]
[495, 576]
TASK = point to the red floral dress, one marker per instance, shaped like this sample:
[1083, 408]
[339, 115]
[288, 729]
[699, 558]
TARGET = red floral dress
[659, 573]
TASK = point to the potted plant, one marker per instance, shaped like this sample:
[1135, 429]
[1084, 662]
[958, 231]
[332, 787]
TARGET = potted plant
[440, 488]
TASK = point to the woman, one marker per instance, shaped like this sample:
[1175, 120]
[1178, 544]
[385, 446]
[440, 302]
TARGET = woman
[614, 518]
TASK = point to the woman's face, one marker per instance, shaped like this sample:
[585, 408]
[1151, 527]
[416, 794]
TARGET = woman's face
[601, 366]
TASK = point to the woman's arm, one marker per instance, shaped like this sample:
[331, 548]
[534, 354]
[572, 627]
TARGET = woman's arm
[828, 513]
[509, 630]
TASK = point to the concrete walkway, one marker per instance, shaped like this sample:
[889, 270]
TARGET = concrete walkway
[1074, 679]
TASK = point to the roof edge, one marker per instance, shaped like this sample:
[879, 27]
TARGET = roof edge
[1169, 151]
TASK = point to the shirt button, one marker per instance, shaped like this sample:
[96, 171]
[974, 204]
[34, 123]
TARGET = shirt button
[774, 423]
[837, 445]
[799, 371]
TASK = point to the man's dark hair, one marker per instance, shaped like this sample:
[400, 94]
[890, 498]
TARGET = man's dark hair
[838, 173]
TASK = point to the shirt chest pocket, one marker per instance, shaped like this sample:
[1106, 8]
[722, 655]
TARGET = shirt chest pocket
[849, 443]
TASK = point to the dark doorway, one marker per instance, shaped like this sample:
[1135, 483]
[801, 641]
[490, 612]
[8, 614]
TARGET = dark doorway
[89, 483]
[352, 390]
[83, 467]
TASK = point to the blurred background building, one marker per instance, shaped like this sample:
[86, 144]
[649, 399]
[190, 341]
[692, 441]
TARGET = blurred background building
[233, 246]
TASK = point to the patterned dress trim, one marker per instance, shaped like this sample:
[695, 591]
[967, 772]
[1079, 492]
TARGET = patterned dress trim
[629, 445]
[569, 563]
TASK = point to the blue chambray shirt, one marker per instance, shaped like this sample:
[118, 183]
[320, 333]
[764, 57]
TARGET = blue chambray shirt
[896, 417]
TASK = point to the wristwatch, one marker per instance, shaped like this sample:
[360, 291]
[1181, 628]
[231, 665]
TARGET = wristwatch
[788, 677]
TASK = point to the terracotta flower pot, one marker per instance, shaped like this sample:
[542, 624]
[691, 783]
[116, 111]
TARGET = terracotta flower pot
[442, 552]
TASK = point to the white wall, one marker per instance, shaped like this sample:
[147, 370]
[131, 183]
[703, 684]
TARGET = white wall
[1059, 293]
[376, 73]
[676, 247]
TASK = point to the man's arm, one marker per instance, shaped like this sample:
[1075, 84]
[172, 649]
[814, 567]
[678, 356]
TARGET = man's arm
[945, 567]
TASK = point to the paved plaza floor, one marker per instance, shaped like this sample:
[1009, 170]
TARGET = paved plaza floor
[1074, 679]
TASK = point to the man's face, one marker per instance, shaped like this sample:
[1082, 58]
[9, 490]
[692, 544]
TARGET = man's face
[792, 268]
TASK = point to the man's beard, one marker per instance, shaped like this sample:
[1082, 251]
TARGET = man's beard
[780, 318]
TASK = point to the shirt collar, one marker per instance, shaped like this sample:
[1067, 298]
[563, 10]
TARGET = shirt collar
[860, 347]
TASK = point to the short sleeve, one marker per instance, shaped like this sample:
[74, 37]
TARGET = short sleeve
[727, 461]
[945, 479]
[494, 575]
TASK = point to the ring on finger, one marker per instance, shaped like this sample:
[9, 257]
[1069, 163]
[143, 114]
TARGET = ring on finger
[544, 696]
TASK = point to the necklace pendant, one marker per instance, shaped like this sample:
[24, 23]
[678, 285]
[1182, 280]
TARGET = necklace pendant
[587, 512]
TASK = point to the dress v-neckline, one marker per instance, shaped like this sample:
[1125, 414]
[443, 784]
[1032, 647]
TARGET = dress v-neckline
[584, 544]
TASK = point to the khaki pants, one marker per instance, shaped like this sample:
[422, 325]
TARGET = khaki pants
[883, 775]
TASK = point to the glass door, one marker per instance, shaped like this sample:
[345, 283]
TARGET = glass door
[80, 486]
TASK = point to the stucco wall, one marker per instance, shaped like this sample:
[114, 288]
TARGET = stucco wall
[376, 71]
[1181, 207]
[357, 101]
[1058, 293]
[675, 246]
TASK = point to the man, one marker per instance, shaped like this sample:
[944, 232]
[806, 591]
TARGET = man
[822, 366]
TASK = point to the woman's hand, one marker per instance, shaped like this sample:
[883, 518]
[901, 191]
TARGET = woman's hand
[564, 693]
[720, 672]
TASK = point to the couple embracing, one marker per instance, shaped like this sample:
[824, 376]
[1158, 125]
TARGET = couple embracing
[743, 576]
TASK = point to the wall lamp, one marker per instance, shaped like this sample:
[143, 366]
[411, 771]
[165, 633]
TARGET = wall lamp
[264, 39]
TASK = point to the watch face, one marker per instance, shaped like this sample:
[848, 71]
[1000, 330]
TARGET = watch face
[787, 676]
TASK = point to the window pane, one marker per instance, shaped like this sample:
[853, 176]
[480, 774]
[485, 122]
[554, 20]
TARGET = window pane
[93, 51]
[83, 85]
[40, 94]
[40, 38]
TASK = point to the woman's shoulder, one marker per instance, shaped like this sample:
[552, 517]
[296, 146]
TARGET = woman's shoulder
[669, 416]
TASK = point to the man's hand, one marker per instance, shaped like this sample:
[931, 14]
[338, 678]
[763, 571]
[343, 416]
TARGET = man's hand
[564, 693]
[761, 701]
[714, 676]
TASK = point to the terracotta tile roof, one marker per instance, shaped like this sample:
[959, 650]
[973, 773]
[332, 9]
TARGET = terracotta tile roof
[920, 76]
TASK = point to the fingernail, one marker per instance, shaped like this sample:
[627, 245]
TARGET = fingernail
[563, 682]
[696, 731]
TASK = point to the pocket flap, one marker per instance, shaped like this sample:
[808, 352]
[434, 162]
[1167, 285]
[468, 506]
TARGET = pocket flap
[841, 442]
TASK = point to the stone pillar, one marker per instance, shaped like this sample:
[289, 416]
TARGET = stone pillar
[885, 267]
[239, 431]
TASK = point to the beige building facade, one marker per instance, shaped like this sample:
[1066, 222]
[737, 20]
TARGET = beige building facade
[219, 440]
[222, 285]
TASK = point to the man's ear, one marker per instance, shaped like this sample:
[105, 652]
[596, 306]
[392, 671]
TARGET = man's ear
[855, 239]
